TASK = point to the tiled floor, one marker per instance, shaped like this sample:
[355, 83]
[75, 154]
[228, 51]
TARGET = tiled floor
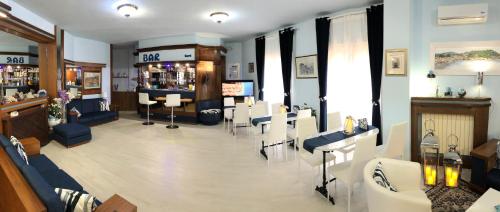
[193, 168]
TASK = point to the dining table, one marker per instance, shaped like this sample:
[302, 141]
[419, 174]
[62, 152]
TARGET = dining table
[330, 141]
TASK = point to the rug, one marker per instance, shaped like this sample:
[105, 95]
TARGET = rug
[451, 199]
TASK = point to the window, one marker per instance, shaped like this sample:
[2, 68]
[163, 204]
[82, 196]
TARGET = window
[273, 78]
[349, 79]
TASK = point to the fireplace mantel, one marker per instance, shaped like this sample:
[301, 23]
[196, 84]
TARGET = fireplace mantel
[476, 107]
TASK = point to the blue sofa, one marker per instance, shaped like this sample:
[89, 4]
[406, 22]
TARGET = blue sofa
[42, 175]
[90, 112]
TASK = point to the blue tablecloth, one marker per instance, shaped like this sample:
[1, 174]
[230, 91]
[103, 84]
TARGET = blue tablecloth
[311, 143]
[256, 121]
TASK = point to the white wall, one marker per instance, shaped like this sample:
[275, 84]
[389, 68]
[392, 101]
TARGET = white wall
[29, 17]
[92, 51]
[234, 56]
[123, 63]
[179, 40]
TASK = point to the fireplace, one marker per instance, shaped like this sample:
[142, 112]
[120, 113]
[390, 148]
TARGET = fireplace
[460, 121]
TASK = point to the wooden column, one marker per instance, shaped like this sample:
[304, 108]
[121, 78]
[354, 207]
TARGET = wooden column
[47, 63]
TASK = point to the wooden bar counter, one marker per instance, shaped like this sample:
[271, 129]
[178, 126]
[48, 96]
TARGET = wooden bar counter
[30, 122]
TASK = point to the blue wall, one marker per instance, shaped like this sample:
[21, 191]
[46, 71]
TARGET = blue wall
[426, 31]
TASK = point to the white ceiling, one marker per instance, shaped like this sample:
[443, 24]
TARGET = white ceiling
[98, 19]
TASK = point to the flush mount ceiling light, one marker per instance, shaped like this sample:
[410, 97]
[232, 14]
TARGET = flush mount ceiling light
[219, 17]
[127, 10]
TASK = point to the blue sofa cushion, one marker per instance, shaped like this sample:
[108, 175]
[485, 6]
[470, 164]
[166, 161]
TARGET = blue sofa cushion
[60, 179]
[493, 179]
[90, 105]
[42, 163]
[15, 157]
[102, 115]
[44, 191]
[71, 130]
[5, 142]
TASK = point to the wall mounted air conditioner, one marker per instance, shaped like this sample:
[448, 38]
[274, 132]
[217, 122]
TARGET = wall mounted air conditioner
[462, 14]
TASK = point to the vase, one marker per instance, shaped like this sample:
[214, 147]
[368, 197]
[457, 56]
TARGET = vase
[54, 122]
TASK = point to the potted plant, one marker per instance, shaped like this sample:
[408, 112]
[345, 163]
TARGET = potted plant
[55, 112]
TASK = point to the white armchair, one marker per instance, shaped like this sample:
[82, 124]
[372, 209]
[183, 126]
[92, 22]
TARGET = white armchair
[406, 177]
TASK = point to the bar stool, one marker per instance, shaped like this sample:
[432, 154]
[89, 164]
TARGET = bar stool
[144, 100]
[172, 100]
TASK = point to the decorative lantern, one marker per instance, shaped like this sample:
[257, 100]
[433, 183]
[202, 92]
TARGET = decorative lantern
[349, 125]
[452, 163]
[429, 150]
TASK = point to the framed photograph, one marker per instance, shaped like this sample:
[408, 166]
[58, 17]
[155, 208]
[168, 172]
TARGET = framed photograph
[466, 58]
[234, 71]
[396, 62]
[306, 67]
[251, 67]
[91, 80]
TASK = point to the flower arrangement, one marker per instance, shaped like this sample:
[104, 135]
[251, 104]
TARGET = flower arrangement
[55, 110]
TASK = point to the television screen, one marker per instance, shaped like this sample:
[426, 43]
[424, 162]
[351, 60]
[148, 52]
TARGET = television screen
[237, 88]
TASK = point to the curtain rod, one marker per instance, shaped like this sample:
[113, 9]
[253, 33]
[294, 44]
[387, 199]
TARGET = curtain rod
[356, 12]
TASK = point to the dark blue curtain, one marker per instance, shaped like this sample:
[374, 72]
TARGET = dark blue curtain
[375, 21]
[286, 50]
[260, 51]
[322, 39]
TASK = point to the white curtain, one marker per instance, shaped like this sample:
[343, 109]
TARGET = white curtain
[273, 78]
[349, 80]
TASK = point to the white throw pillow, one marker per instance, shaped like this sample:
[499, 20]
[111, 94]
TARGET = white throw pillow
[381, 179]
[76, 201]
[20, 149]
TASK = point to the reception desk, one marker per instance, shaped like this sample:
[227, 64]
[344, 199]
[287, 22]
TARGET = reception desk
[31, 120]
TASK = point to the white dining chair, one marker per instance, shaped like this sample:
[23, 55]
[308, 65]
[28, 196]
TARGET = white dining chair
[276, 108]
[351, 172]
[241, 116]
[334, 122]
[292, 131]
[306, 128]
[395, 146]
[258, 110]
[144, 100]
[172, 100]
[276, 134]
[264, 103]
[228, 113]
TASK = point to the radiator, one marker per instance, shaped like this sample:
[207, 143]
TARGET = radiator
[445, 125]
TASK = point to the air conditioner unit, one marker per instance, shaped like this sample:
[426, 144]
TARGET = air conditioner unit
[462, 14]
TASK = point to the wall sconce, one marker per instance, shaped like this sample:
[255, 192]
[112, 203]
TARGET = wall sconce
[432, 76]
[480, 79]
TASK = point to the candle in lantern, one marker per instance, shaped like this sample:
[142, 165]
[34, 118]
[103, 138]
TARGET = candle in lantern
[430, 175]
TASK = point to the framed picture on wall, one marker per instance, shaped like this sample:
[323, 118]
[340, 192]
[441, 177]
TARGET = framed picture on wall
[251, 67]
[234, 71]
[466, 58]
[306, 67]
[396, 62]
[91, 80]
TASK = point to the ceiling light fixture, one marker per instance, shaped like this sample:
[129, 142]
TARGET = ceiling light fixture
[219, 17]
[127, 10]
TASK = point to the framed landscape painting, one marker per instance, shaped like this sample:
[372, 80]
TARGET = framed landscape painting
[306, 67]
[466, 58]
[91, 80]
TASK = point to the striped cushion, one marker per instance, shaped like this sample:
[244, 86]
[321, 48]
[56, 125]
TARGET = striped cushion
[20, 149]
[76, 201]
[381, 179]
